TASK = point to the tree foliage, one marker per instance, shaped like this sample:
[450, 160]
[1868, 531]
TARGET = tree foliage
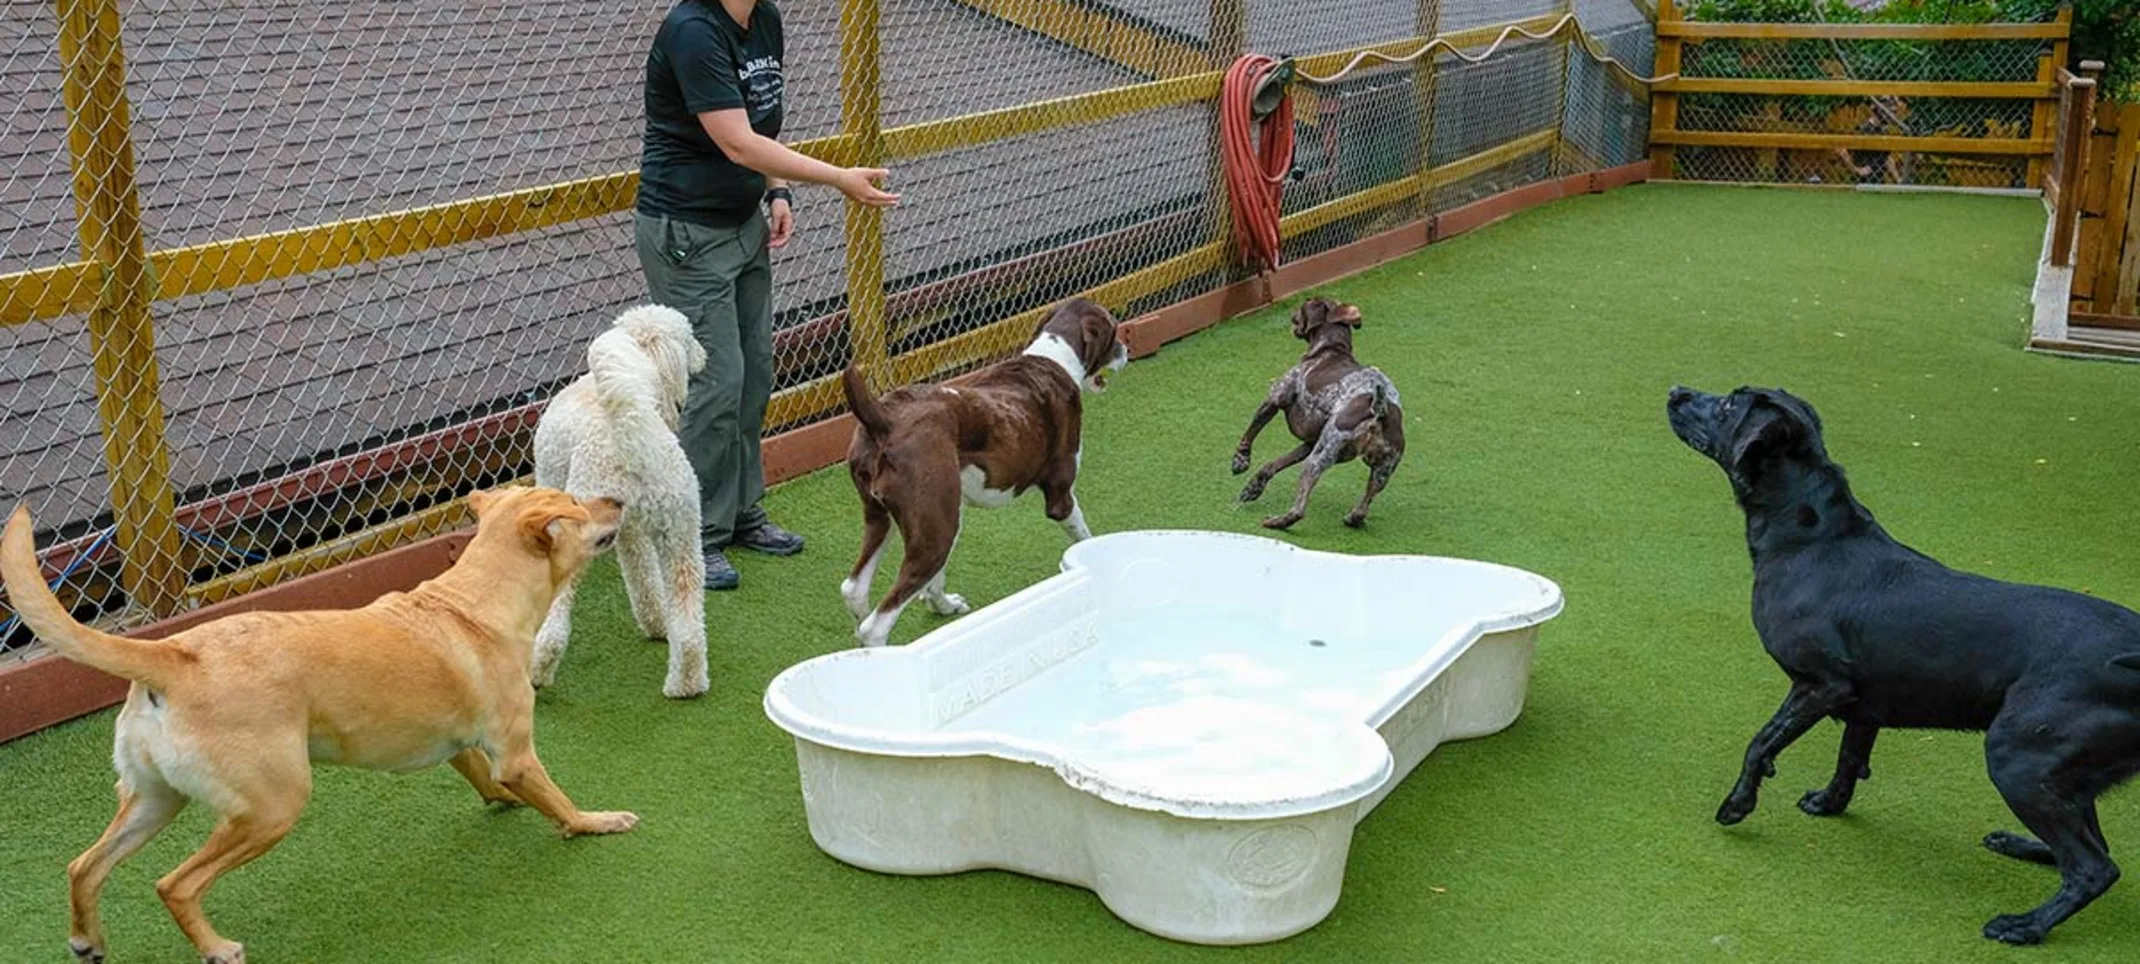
[2105, 30]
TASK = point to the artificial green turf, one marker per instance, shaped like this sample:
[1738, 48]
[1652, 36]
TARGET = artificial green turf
[1533, 357]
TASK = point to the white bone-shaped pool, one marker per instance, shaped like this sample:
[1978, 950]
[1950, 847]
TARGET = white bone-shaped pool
[1187, 723]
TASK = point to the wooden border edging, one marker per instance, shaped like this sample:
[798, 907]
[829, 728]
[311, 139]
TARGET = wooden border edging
[2088, 350]
[47, 690]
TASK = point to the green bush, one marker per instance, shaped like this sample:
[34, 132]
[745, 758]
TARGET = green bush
[1957, 60]
[2105, 30]
[1838, 11]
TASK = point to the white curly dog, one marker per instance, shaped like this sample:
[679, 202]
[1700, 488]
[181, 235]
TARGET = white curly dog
[613, 433]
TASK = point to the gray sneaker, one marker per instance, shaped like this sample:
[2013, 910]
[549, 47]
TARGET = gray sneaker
[719, 574]
[770, 539]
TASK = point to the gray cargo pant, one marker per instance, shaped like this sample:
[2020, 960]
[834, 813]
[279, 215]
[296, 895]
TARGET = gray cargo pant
[722, 279]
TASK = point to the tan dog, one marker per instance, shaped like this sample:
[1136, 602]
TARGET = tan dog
[233, 713]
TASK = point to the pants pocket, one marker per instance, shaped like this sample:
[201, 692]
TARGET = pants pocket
[684, 245]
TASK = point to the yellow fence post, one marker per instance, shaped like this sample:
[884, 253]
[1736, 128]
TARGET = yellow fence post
[122, 334]
[1557, 162]
[861, 124]
[2046, 113]
[1664, 103]
[1424, 84]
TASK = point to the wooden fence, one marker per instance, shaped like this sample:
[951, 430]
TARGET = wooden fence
[2069, 156]
[2089, 280]
[2104, 208]
[1676, 36]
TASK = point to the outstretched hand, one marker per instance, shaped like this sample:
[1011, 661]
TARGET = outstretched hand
[861, 184]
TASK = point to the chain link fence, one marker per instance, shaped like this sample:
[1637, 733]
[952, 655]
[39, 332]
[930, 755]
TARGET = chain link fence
[279, 281]
[2013, 126]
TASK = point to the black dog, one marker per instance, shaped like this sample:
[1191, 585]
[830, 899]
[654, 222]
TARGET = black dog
[1876, 634]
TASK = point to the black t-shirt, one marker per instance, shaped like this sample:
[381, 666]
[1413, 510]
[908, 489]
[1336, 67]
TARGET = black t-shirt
[703, 61]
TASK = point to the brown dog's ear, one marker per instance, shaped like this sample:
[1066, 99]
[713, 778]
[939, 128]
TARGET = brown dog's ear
[482, 501]
[1100, 337]
[539, 524]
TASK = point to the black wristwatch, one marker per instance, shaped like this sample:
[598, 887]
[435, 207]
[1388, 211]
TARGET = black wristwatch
[779, 194]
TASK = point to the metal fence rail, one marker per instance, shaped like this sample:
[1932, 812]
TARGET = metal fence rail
[278, 280]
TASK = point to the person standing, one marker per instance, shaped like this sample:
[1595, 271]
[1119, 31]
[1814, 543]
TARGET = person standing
[708, 160]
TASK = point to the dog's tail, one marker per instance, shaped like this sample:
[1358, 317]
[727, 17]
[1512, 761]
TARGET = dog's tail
[626, 383]
[868, 410]
[148, 661]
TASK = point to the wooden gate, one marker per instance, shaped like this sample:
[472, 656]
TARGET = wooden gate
[2106, 264]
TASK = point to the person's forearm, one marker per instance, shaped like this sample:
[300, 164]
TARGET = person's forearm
[778, 162]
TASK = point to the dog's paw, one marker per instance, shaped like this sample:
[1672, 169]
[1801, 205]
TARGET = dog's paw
[1281, 521]
[950, 604]
[617, 821]
[2019, 847]
[1736, 807]
[856, 597]
[685, 686]
[2015, 929]
[1822, 803]
[1251, 493]
[542, 672]
[84, 951]
[1354, 520]
[1240, 462]
[231, 952]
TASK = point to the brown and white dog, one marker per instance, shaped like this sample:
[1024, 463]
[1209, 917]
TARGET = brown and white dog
[1339, 409]
[233, 713]
[919, 451]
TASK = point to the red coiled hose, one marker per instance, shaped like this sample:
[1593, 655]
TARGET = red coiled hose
[1255, 173]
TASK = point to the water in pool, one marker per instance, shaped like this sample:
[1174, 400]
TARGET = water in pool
[1211, 698]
